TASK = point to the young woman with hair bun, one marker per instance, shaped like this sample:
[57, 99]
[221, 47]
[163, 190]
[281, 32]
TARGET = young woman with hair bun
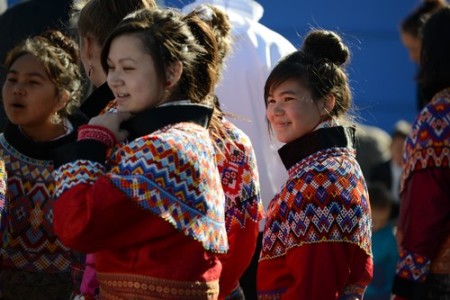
[317, 236]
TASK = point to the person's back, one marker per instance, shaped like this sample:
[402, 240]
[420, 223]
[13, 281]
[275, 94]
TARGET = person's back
[256, 49]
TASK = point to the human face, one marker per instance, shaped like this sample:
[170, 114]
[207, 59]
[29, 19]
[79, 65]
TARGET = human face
[30, 97]
[291, 111]
[413, 45]
[132, 75]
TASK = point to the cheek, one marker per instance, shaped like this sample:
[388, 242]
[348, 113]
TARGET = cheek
[268, 113]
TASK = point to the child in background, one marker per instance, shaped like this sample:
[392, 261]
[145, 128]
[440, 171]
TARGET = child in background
[151, 208]
[384, 244]
[41, 91]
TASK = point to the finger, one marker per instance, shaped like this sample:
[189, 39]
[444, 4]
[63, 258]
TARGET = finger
[122, 116]
[122, 135]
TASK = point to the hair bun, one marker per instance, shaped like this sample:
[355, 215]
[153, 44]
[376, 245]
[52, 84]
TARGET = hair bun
[325, 44]
[58, 39]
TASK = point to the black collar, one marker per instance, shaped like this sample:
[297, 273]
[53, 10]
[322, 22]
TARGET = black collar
[41, 150]
[97, 101]
[156, 118]
[321, 139]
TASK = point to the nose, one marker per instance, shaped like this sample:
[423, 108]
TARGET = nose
[19, 90]
[113, 79]
[277, 108]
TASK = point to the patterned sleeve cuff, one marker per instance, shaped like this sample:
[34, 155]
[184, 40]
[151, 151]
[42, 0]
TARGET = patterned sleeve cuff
[412, 270]
[98, 133]
[352, 292]
[412, 266]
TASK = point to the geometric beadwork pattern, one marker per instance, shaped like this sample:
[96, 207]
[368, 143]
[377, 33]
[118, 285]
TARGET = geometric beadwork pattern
[428, 145]
[77, 172]
[28, 241]
[324, 200]
[412, 266]
[239, 174]
[172, 173]
[119, 286]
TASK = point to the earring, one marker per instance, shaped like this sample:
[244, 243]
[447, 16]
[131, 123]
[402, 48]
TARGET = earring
[55, 118]
[90, 70]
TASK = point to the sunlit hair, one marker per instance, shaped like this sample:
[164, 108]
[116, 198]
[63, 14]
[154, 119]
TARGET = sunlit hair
[217, 21]
[59, 55]
[220, 24]
[100, 17]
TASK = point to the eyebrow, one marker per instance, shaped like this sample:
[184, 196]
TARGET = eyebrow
[283, 93]
[32, 74]
[123, 59]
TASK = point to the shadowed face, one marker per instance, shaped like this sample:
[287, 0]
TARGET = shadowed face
[413, 45]
[30, 97]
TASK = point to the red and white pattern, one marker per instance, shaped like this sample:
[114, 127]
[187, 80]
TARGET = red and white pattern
[428, 145]
[325, 200]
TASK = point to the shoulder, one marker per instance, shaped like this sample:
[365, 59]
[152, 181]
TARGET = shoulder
[238, 137]
[180, 141]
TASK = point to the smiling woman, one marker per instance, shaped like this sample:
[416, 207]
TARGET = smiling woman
[140, 192]
[317, 238]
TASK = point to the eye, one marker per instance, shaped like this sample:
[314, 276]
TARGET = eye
[11, 79]
[286, 99]
[111, 68]
[128, 68]
[270, 100]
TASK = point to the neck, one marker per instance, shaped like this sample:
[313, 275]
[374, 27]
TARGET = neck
[43, 133]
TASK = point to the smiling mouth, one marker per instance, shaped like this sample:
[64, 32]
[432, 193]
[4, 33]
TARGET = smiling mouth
[122, 95]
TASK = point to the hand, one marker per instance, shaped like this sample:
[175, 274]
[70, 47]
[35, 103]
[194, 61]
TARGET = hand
[112, 121]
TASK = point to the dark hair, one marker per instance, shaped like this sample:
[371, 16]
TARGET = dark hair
[218, 36]
[100, 17]
[434, 69]
[168, 39]
[319, 66]
[379, 195]
[59, 55]
[414, 22]
[220, 24]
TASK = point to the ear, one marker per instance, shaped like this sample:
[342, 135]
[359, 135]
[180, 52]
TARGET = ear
[86, 44]
[173, 74]
[63, 98]
[328, 103]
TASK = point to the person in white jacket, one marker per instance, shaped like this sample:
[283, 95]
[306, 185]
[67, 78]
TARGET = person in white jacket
[256, 50]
